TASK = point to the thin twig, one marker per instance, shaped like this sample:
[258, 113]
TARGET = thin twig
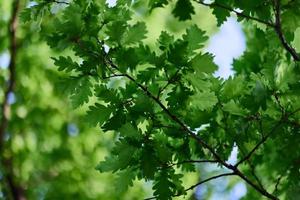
[201, 182]
[209, 179]
[262, 141]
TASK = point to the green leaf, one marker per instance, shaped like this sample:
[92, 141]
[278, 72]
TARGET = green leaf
[98, 114]
[178, 53]
[78, 88]
[33, 13]
[195, 37]
[124, 181]
[148, 163]
[233, 87]
[127, 59]
[82, 92]
[183, 10]
[204, 100]
[135, 34]
[290, 21]
[115, 31]
[65, 64]
[166, 184]
[203, 64]
[162, 186]
[122, 157]
[233, 108]
[25, 15]
[198, 82]
[115, 122]
[129, 131]
[165, 40]
[221, 15]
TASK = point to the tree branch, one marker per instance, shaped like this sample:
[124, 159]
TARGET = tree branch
[261, 190]
[278, 29]
[240, 14]
[208, 179]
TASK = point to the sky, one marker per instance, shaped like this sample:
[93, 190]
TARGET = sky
[227, 44]
[4, 60]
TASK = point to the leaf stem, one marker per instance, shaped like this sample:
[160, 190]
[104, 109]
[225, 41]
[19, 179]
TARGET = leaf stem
[208, 179]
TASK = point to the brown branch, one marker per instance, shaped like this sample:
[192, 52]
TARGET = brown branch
[239, 14]
[16, 191]
[278, 29]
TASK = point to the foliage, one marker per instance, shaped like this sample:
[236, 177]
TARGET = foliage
[160, 97]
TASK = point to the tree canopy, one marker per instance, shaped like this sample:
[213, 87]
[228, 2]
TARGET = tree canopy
[134, 90]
